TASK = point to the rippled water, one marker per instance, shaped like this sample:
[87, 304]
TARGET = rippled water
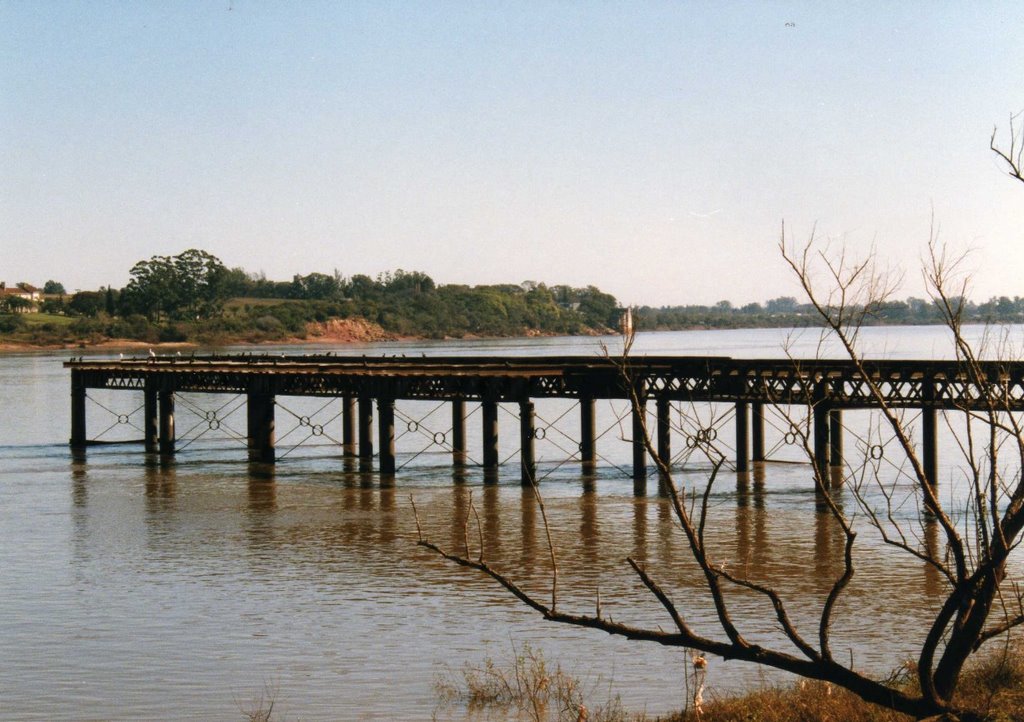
[136, 591]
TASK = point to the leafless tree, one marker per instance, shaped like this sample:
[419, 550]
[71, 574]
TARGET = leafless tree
[979, 604]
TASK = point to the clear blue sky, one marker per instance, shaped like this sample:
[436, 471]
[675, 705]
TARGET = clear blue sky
[652, 149]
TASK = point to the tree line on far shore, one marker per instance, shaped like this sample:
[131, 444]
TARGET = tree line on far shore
[787, 311]
[193, 296]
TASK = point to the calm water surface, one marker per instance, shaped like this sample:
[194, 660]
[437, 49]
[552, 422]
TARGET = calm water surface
[134, 591]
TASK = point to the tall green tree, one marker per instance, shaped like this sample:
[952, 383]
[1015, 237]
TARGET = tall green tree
[190, 285]
[316, 286]
[200, 276]
[86, 303]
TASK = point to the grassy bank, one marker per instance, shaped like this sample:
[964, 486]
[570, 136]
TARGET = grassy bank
[994, 687]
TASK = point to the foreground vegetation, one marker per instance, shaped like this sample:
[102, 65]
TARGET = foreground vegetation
[530, 687]
[995, 686]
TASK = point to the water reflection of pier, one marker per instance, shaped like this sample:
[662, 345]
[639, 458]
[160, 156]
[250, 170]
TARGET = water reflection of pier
[362, 386]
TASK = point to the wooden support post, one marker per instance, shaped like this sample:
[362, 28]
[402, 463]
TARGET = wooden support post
[930, 450]
[260, 417]
[78, 416]
[821, 443]
[588, 434]
[757, 431]
[365, 433]
[386, 435]
[639, 449]
[527, 459]
[742, 450]
[489, 411]
[835, 437]
[348, 426]
[458, 433]
[165, 400]
[151, 418]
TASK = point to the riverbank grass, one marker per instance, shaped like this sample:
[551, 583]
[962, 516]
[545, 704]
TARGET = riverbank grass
[528, 687]
[994, 686]
[531, 688]
[41, 319]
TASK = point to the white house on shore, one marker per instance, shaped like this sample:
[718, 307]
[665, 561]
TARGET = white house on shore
[29, 297]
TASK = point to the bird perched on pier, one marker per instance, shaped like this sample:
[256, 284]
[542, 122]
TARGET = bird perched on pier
[152, 354]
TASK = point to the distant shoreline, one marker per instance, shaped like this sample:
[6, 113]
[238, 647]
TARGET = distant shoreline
[124, 344]
[349, 333]
[114, 344]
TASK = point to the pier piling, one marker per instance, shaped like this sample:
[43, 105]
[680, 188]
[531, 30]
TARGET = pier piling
[365, 423]
[588, 445]
[459, 433]
[527, 434]
[165, 400]
[489, 424]
[835, 437]
[386, 435]
[78, 419]
[929, 450]
[742, 450]
[664, 409]
[348, 426]
[260, 417]
[150, 418]
[639, 448]
[757, 431]
[820, 422]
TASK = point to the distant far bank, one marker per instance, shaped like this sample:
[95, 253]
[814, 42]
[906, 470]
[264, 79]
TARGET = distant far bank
[332, 332]
[339, 332]
[193, 300]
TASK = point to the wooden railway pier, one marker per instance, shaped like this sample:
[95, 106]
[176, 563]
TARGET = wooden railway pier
[826, 388]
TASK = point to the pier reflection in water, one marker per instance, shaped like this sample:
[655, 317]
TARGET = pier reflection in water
[222, 578]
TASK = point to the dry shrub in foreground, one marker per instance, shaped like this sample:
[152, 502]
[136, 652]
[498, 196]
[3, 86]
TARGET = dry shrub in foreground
[528, 686]
[261, 708]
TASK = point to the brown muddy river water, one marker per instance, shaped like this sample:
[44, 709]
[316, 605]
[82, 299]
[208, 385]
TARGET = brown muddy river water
[136, 591]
